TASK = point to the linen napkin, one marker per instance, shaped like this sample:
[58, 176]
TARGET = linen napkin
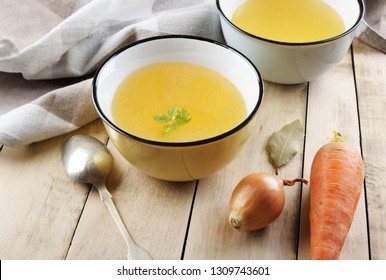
[49, 50]
[75, 47]
[375, 24]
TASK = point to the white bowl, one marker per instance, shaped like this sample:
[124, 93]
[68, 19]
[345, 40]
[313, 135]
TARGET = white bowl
[181, 161]
[292, 63]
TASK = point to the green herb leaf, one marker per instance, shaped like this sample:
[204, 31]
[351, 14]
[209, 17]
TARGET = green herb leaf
[176, 117]
[172, 113]
[162, 118]
[285, 143]
[182, 116]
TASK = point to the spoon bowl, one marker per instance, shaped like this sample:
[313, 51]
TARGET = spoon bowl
[88, 160]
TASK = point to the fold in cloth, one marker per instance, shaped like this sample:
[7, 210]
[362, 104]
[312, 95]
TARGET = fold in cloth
[45, 40]
[375, 24]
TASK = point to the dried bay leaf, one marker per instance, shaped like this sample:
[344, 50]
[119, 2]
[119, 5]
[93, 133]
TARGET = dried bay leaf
[285, 143]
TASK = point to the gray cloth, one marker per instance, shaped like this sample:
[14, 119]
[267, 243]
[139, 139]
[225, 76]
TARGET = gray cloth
[375, 21]
[50, 49]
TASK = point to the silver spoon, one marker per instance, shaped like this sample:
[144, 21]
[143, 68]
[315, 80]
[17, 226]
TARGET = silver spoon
[88, 160]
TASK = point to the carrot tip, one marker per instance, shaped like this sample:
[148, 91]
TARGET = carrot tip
[337, 137]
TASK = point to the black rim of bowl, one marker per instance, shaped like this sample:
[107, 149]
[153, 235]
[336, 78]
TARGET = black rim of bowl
[354, 26]
[109, 122]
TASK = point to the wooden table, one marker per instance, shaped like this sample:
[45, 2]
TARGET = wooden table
[45, 215]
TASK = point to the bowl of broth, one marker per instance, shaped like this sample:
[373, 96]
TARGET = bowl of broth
[178, 108]
[293, 41]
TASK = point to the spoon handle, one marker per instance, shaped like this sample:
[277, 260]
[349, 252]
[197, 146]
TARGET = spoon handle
[106, 197]
[135, 252]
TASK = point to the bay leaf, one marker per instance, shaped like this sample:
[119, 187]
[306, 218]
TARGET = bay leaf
[285, 143]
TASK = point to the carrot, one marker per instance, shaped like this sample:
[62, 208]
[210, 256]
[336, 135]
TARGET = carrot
[336, 181]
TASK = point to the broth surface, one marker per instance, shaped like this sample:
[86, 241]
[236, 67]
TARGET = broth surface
[214, 104]
[293, 21]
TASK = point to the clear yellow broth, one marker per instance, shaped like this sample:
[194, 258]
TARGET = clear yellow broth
[214, 104]
[292, 21]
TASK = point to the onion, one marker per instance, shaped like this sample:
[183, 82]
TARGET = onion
[257, 201]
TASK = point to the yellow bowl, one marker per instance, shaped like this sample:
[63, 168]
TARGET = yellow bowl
[181, 161]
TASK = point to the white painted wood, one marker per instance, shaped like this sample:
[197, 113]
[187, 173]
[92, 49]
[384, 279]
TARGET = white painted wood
[370, 70]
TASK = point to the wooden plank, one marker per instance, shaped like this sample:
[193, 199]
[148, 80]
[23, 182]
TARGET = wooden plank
[155, 212]
[370, 69]
[39, 206]
[210, 236]
[332, 106]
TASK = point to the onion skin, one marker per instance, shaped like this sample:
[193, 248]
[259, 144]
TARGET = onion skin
[257, 201]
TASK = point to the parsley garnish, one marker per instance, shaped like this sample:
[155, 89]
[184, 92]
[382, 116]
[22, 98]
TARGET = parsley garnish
[174, 118]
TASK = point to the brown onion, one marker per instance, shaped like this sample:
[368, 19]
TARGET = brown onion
[257, 201]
